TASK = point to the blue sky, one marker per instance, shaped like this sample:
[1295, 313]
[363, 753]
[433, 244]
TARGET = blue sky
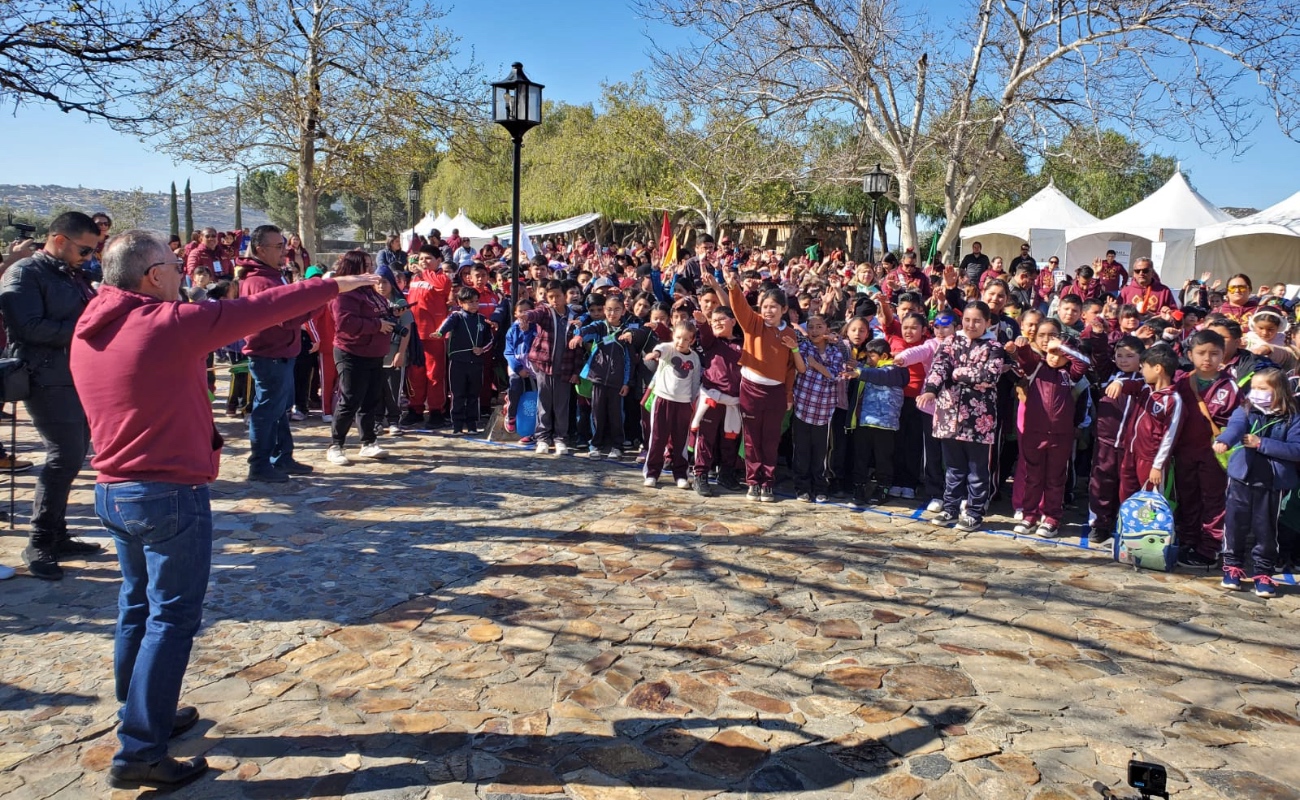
[571, 46]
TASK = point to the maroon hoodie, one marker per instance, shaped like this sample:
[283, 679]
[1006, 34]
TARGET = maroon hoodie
[278, 341]
[137, 363]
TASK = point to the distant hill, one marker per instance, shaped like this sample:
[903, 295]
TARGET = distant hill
[215, 208]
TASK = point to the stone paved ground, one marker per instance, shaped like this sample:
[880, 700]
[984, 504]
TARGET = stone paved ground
[466, 620]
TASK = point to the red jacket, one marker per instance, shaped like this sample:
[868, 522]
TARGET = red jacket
[1195, 438]
[279, 341]
[138, 366]
[429, 296]
[200, 257]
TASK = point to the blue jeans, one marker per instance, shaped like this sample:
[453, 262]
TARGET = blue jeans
[269, 436]
[163, 533]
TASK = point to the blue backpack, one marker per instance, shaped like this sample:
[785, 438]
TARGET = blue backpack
[1145, 538]
[526, 415]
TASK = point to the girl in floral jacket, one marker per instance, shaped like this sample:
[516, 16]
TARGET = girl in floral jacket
[961, 384]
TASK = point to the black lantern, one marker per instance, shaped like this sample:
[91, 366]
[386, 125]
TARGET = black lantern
[517, 107]
[413, 199]
[875, 185]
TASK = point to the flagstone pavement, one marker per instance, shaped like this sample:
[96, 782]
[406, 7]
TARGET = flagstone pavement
[469, 620]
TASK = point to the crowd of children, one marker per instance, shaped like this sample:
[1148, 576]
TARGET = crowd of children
[940, 387]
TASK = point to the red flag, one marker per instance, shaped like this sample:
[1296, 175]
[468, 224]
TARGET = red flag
[667, 244]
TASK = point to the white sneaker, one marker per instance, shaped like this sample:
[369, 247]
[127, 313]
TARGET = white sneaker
[326, 417]
[1019, 515]
[1022, 528]
[963, 506]
[895, 491]
[908, 494]
[561, 449]
[934, 506]
[297, 416]
[614, 454]
[682, 483]
[6, 572]
[541, 448]
[335, 456]
[650, 482]
[393, 430]
[373, 451]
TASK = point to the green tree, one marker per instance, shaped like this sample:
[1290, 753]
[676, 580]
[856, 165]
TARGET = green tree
[1105, 171]
[239, 206]
[274, 193]
[189, 213]
[173, 214]
[318, 91]
[129, 209]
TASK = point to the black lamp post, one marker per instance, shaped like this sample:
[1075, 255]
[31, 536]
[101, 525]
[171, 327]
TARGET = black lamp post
[413, 199]
[517, 107]
[876, 185]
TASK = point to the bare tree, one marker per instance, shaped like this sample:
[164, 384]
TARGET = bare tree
[84, 57]
[1026, 70]
[323, 90]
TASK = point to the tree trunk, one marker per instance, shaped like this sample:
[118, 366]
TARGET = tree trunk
[859, 235]
[907, 210]
[306, 188]
[882, 234]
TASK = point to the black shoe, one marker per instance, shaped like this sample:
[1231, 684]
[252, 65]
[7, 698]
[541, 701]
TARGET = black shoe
[727, 480]
[879, 497]
[168, 772]
[702, 487]
[77, 547]
[291, 467]
[42, 563]
[859, 497]
[1097, 536]
[1187, 557]
[268, 475]
[186, 717]
[804, 497]
[409, 420]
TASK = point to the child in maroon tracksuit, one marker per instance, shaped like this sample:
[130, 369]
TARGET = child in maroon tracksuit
[716, 424]
[1111, 434]
[1157, 413]
[1209, 397]
[1047, 437]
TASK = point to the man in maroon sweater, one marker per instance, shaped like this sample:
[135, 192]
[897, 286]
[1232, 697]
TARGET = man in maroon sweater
[137, 360]
[271, 354]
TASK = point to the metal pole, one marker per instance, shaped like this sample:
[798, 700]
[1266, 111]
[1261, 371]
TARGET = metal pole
[871, 235]
[516, 233]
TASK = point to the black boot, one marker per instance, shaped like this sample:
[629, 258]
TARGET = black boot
[702, 487]
[859, 496]
[727, 480]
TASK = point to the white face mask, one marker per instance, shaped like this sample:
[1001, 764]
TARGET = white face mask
[1261, 399]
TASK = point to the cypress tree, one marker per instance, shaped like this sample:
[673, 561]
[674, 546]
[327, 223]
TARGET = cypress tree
[173, 215]
[189, 214]
[239, 211]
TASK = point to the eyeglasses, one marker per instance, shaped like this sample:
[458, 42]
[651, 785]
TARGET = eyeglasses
[1239, 288]
[1141, 272]
[179, 266]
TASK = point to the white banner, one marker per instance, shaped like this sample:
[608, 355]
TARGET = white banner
[1123, 252]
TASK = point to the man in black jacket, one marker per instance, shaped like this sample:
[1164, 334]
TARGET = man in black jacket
[41, 298]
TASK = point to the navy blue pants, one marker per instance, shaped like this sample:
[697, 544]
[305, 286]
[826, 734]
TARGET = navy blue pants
[967, 477]
[1251, 510]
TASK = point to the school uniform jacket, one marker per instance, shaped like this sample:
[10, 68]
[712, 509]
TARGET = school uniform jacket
[1157, 416]
[1195, 435]
[1049, 397]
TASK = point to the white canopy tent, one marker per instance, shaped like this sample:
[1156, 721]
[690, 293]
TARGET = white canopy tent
[1160, 227]
[1041, 221]
[468, 228]
[427, 225]
[542, 229]
[1265, 245]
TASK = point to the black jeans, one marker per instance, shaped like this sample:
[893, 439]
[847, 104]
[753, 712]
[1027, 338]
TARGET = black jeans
[811, 443]
[873, 448]
[58, 417]
[361, 390]
[466, 385]
[304, 367]
[392, 405]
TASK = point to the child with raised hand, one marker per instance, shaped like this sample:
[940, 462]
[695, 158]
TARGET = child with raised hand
[1157, 413]
[716, 423]
[961, 384]
[1113, 430]
[1263, 437]
[767, 372]
[815, 396]
[676, 385]
[932, 471]
[1047, 434]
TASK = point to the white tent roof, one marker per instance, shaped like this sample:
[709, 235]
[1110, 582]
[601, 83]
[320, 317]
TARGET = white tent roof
[1176, 205]
[544, 228]
[442, 223]
[1282, 219]
[1050, 208]
[467, 227]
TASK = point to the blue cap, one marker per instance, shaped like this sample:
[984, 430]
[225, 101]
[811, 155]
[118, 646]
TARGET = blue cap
[945, 319]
